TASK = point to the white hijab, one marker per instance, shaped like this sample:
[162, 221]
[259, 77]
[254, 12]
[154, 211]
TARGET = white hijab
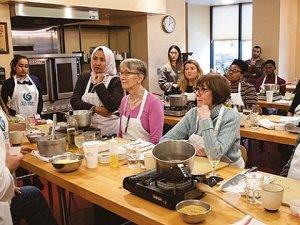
[110, 68]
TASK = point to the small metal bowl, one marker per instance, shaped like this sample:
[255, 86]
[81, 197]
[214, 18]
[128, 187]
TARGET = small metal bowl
[32, 138]
[193, 217]
[67, 162]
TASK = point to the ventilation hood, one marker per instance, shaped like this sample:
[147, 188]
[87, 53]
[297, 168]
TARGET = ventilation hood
[24, 16]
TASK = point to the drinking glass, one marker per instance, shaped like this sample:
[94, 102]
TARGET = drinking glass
[79, 139]
[133, 156]
[30, 122]
[89, 136]
[214, 160]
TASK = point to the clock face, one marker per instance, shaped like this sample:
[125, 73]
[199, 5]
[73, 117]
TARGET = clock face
[168, 24]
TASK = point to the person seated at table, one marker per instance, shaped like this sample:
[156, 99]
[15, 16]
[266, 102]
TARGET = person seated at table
[26, 202]
[100, 90]
[270, 77]
[170, 72]
[292, 168]
[243, 94]
[141, 112]
[211, 125]
[187, 83]
[295, 107]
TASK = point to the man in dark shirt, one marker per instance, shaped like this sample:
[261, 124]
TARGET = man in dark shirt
[270, 77]
[255, 66]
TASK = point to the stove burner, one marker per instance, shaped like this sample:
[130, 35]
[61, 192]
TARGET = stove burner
[164, 184]
[152, 186]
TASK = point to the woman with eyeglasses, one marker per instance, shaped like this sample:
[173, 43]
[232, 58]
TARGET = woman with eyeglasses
[100, 90]
[170, 72]
[213, 128]
[141, 112]
[187, 83]
[243, 94]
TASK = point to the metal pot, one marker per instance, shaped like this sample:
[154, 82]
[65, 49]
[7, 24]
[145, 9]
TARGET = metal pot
[49, 147]
[83, 117]
[271, 87]
[178, 100]
[174, 159]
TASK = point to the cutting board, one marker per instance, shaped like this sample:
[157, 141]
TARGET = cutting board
[291, 189]
[202, 166]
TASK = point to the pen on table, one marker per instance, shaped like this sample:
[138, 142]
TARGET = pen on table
[127, 124]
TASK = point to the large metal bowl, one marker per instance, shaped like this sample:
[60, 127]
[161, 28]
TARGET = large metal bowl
[83, 117]
[195, 216]
[32, 137]
[178, 100]
[271, 87]
[67, 162]
[174, 159]
[49, 147]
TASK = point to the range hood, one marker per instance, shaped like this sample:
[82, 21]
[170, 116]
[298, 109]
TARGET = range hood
[24, 16]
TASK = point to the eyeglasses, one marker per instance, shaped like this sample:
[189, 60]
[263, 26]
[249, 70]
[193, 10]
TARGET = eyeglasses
[127, 74]
[201, 90]
[233, 70]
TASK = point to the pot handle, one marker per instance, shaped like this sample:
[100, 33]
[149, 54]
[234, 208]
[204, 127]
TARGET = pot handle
[184, 170]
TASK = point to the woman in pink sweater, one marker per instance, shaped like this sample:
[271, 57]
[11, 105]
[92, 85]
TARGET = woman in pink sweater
[141, 113]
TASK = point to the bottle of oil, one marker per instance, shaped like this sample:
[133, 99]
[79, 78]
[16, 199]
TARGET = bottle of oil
[114, 157]
[72, 128]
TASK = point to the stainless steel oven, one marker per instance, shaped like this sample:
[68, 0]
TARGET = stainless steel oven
[58, 75]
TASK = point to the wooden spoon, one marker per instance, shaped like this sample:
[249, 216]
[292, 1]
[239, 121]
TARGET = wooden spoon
[207, 189]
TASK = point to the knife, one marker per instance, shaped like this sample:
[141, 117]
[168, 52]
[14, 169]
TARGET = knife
[236, 179]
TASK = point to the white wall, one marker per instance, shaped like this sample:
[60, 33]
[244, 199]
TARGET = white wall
[159, 41]
[287, 40]
[198, 20]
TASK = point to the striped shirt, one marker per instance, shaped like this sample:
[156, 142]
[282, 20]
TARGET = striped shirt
[248, 93]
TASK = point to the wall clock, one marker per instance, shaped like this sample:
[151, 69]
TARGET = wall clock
[168, 24]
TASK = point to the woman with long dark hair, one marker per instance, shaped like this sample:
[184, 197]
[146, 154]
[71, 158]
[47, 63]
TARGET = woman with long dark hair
[169, 73]
[22, 93]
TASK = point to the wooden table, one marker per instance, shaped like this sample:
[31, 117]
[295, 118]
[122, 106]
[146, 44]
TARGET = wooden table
[103, 186]
[276, 105]
[172, 120]
[262, 134]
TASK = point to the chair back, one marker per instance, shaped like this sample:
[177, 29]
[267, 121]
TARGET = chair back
[244, 153]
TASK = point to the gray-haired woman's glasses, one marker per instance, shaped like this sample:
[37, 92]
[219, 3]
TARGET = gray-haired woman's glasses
[127, 74]
[201, 90]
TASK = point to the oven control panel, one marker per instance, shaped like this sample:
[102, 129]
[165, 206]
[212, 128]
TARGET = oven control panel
[62, 105]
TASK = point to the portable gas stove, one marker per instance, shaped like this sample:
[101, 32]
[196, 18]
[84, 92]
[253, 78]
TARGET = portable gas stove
[175, 111]
[152, 186]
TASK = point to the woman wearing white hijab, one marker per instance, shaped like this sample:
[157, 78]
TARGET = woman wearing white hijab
[101, 90]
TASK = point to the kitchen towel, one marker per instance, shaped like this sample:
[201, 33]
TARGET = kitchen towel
[248, 220]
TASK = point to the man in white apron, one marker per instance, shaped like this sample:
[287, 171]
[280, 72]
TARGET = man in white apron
[101, 90]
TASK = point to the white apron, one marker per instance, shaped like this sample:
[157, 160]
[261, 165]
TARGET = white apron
[190, 96]
[5, 176]
[297, 111]
[135, 129]
[108, 125]
[25, 98]
[294, 171]
[198, 142]
[236, 98]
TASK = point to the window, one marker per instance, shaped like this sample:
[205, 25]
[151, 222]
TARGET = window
[231, 34]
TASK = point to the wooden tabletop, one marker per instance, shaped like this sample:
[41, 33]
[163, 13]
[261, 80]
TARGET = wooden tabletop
[172, 120]
[103, 186]
[276, 136]
[276, 105]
